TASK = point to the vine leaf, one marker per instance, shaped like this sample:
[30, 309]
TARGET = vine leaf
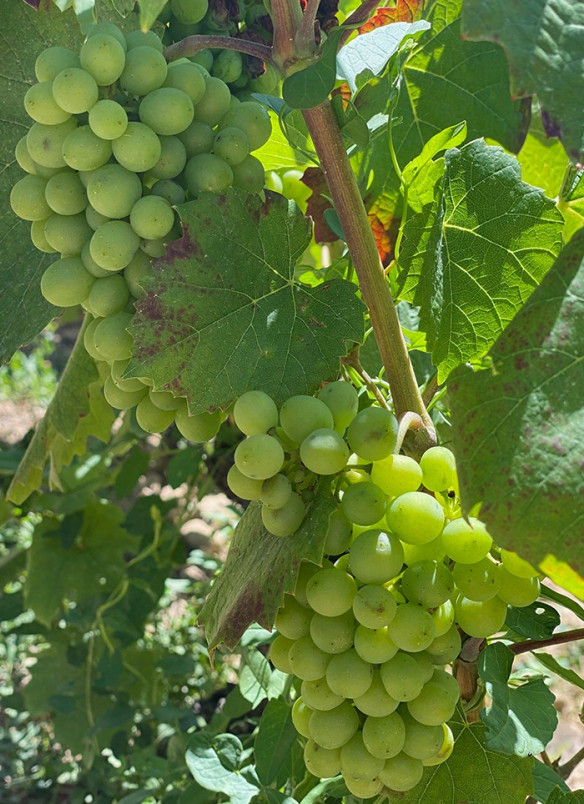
[487, 239]
[210, 759]
[312, 85]
[537, 621]
[543, 42]
[76, 412]
[259, 569]
[518, 426]
[223, 313]
[545, 779]
[274, 741]
[552, 664]
[560, 796]
[401, 11]
[521, 720]
[474, 773]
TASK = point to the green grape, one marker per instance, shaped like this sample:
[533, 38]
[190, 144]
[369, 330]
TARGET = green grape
[67, 233]
[111, 338]
[28, 200]
[138, 149]
[333, 728]
[151, 217]
[318, 695]
[188, 78]
[249, 174]
[84, 150]
[363, 788]
[65, 194]
[305, 573]
[466, 542]
[293, 620]
[517, 566]
[275, 491]
[417, 518]
[431, 551]
[228, 66]
[154, 248]
[23, 157]
[374, 646]
[376, 702]
[189, 12]
[252, 118]
[113, 245]
[374, 606]
[108, 119]
[108, 296]
[286, 520]
[231, 144]
[104, 58]
[122, 400]
[396, 475]
[412, 628]
[255, 412]
[151, 418]
[363, 503]
[425, 665]
[173, 158]
[343, 401]
[138, 269]
[479, 581]
[143, 38]
[203, 60]
[438, 468]
[324, 452]
[278, 654]
[66, 282]
[200, 427]
[198, 138]
[480, 618]
[330, 592]
[112, 191]
[348, 675]
[45, 143]
[54, 60]
[443, 617]
[259, 456]
[108, 28]
[300, 716]
[332, 634]
[402, 677]
[91, 265]
[145, 70]
[37, 235]
[445, 648]
[267, 82]
[401, 773]
[306, 660]
[356, 760]
[169, 190]
[322, 762]
[40, 104]
[214, 103]
[338, 535]
[165, 400]
[372, 434]
[516, 591]
[384, 737]
[445, 751]
[437, 701]
[428, 583]
[94, 218]
[75, 90]
[88, 338]
[301, 415]
[421, 742]
[207, 173]
[274, 182]
[118, 368]
[167, 110]
[376, 556]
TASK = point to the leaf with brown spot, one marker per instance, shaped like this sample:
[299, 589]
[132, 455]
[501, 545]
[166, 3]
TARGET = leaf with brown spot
[403, 11]
[318, 203]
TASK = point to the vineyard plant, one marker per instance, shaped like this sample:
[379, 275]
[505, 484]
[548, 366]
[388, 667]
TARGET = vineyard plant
[294, 290]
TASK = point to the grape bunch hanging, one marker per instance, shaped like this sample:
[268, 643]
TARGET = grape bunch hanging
[405, 579]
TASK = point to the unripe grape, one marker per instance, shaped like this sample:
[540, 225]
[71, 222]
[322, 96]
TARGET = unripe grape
[357, 761]
[376, 701]
[186, 77]
[384, 737]
[480, 619]
[108, 296]
[28, 200]
[279, 654]
[306, 660]
[118, 368]
[322, 762]
[66, 282]
[65, 194]
[199, 427]
[335, 727]
[173, 158]
[41, 105]
[231, 144]
[324, 452]
[330, 592]
[401, 773]
[374, 606]
[276, 491]
[23, 157]
[445, 749]
[479, 581]
[145, 70]
[421, 742]
[249, 174]
[112, 191]
[214, 103]
[122, 400]
[138, 149]
[228, 66]
[108, 119]
[445, 648]
[252, 118]
[417, 518]
[113, 246]
[374, 646]
[151, 418]
[318, 695]
[348, 675]
[396, 475]
[363, 503]
[189, 12]
[431, 551]
[75, 90]
[301, 715]
[428, 583]
[332, 634]
[286, 520]
[198, 138]
[45, 143]
[67, 233]
[259, 456]
[363, 788]
[143, 39]
[466, 542]
[300, 415]
[373, 433]
[305, 572]
[83, 150]
[88, 338]
[402, 677]
[412, 628]
[37, 235]
[438, 468]
[437, 701]
[244, 487]
[516, 591]
[167, 110]
[376, 556]
[152, 217]
[104, 58]
[443, 617]
[108, 28]
[137, 270]
[338, 535]
[170, 190]
[54, 60]
[343, 401]
[207, 173]
[91, 265]
[255, 412]
[165, 400]
[293, 620]
[111, 338]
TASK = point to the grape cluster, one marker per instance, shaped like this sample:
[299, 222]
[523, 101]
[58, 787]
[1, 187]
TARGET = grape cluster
[119, 138]
[371, 633]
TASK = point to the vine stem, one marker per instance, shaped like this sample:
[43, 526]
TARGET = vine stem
[193, 44]
[559, 639]
[328, 142]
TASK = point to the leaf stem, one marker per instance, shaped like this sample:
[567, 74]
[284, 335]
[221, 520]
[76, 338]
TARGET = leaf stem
[353, 361]
[193, 44]
[375, 289]
[566, 769]
[558, 639]
[304, 39]
[408, 421]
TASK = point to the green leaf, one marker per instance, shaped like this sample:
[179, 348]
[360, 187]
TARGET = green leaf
[484, 231]
[223, 313]
[563, 797]
[77, 411]
[552, 664]
[563, 600]
[518, 426]
[285, 148]
[543, 160]
[149, 11]
[23, 310]
[521, 719]
[254, 678]
[474, 773]
[312, 85]
[545, 779]
[259, 569]
[203, 761]
[571, 200]
[543, 41]
[537, 621]
[273, 743]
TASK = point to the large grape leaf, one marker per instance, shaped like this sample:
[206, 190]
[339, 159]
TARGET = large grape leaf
[518, 425]
[472, 256]
[76, 412]
[543, 41]
[521, 720]
[223, 313]
[259, 569]
[474, 773]
[23, 34]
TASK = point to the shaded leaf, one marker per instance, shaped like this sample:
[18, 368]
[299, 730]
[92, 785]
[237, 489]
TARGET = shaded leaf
[537, 621]
[254, 678]
[518, 426]
[312, 85]
[566, 797]
[273, 743]
[545, 779]
[553, 665]
[318, 204]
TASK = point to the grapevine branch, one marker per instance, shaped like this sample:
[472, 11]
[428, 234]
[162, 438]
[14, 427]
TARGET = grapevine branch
[193, 44]
[558, 639]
